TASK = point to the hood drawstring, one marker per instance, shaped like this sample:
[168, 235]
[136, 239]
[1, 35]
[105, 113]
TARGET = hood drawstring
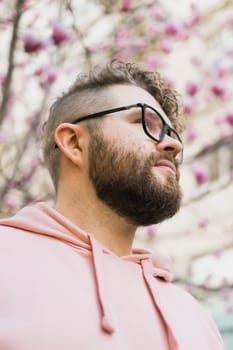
[106, 319]
[149, 274]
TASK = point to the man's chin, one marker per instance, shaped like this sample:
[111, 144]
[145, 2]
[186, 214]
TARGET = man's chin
[165, 177]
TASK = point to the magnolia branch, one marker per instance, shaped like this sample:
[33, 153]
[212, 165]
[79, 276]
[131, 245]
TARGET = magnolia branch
[9, 75]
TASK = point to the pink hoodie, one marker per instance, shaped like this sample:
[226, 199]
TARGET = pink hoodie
[60, 289]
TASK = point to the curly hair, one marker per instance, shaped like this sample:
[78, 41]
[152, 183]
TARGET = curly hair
[88, 95]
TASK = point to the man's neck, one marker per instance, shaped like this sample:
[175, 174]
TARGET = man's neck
[93, 216]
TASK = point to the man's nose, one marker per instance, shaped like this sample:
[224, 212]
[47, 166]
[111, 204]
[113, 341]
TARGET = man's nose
[170, 145]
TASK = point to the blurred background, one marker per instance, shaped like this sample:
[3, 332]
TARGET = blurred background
[45, 44]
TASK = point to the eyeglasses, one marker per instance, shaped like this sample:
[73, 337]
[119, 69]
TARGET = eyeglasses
[153, 123]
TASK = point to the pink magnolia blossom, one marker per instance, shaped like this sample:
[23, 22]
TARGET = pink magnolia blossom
[139, 42]
[157, 12]
[151, 231]
[229, 118]
[217, 253]
[218, 90]
[32, 42]
[203, 222]
[183, 34]
[192, 21]
[40, 70]
[219, 119]
[171, 83]
[171, 29]
[196, 61]
[226, 133]
[200, 174]
[122, 38]
[141, 14]
[195, 16]
[47, 77]
[97, 48]
[193, 7]
[126, 5]
[191, 134]
[165, 45]
[230, 21]
[176, 32]
[26, 5]
[155, 30]
[192, 88]
[10, 203]
[152, 60]
[223, 72]
[188, 107]
[59, 34]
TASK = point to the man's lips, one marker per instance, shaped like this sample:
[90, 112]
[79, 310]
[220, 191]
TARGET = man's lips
[166, 163]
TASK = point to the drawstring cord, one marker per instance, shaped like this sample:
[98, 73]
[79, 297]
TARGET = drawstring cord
[106, 320]
[149, 274]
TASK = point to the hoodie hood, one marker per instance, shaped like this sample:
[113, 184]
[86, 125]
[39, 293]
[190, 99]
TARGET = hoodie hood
[43, 220]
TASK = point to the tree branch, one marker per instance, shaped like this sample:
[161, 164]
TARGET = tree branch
[9, 75]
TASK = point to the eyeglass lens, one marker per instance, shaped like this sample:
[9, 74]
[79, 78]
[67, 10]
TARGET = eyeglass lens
[153, 122]
[156, 127]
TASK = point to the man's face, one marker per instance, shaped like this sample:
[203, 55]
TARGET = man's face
[126, 168]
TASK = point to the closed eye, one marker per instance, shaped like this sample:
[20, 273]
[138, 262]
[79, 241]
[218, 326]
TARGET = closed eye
[138, 121]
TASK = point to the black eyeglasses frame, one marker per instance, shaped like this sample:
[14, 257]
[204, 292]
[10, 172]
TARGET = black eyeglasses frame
[166, 129]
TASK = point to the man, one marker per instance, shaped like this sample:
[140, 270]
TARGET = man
[69, 276]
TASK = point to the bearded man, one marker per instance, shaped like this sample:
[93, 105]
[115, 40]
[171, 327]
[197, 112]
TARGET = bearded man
[69, 276]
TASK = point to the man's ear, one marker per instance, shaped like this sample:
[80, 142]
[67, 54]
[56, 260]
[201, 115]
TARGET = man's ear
[71, 140]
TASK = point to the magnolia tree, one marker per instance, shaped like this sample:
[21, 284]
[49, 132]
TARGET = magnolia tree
[45, 44]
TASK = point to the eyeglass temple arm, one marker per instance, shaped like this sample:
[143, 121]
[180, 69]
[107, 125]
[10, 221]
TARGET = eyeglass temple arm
[102, 113]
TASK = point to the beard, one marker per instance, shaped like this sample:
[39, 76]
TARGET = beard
[126, 183]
